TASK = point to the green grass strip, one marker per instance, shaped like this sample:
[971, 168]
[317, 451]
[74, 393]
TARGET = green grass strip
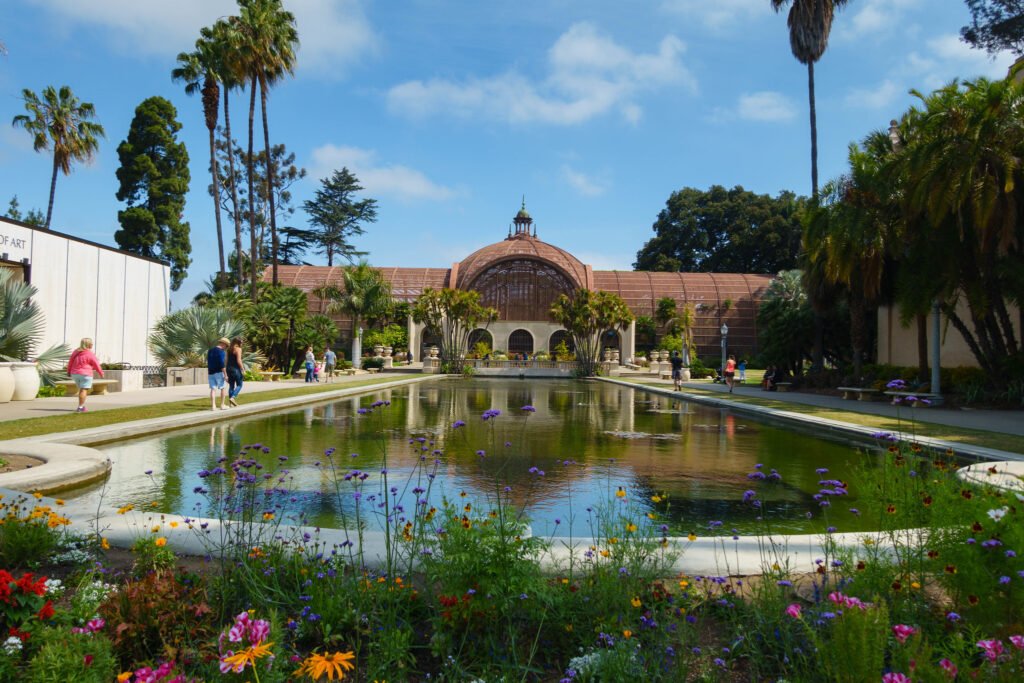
[919, 425]
[34, 426]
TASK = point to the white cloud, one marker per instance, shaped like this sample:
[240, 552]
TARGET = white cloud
[766, 106]
[879, 97]
[589, 75]
[395, 180]
[872, 18]
[332, 33]
[588, 186]
[718, 14]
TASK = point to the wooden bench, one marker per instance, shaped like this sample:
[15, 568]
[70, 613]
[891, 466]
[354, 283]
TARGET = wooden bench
[99, 386]
[272, 376]
[782, 387]
[347, 371]
[860, 393]
[933, 399]
[373, 371]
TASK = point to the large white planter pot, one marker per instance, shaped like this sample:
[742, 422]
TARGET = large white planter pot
[26, 381]
[6, 382]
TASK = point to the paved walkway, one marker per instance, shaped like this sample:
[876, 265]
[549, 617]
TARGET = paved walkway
[42, 407]
[1002, 421]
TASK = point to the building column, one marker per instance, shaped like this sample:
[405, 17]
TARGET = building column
[414, 338]
[628, 349]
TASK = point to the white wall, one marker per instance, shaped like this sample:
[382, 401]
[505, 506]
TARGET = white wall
[89, 290]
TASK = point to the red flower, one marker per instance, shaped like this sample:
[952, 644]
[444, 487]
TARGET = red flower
[46, 612]
[20, 635]
[88, 661]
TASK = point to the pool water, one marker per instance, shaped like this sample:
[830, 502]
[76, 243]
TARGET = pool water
[685, 464]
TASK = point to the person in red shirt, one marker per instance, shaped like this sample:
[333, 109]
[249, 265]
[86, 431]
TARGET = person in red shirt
[81, 365]
[730, 372]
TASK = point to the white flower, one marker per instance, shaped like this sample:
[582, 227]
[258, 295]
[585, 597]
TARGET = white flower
[998, 513]
[12, 645]
[1019, 497]
[54, 587]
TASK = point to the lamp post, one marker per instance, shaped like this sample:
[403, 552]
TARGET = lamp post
[725, 343]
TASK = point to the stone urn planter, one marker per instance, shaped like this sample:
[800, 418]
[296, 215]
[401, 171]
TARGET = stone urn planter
[615, 355]
[26, 381]
[433, 351]
[607, 354]
[6, 382]
[377, 351]
[388, 351]
[685, 374]
[663, 356]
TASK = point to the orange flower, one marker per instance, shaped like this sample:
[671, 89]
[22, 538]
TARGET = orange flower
[317, 666]
[160, 542]
[627, 634]
[621, 493]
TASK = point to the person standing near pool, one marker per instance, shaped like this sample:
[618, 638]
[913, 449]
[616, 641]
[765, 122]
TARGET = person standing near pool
[310, 364]
[677, 370]
[742, 370]
[216, 362]
[330, 360]
[236, 370]
[730, 372]
[81, 365]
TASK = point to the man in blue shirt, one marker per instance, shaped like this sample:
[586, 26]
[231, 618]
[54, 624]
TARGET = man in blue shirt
[216, 362]
[330, 358]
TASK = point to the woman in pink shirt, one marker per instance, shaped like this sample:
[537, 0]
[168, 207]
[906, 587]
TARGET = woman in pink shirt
[81, 366]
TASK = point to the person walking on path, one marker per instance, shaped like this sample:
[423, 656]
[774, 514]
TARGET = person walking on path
[310, 364]
[81, 365]
[742, 370]
[330, 360]
[677, 370]
[730, 372]
[235, 370]
[216, 362]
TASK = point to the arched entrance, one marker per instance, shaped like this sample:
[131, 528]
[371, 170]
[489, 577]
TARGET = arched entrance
[520, 342]
[480, 336]
[611, 339]
[559, 337]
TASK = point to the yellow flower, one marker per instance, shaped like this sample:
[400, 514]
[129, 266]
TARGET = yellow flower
[124, 676]
[267, 516]
[915, 585]
[684, 584]
[153, 504]
[316, 666]
[613, 540]
[565, 582]
[59, 501]
[37, 495]
[635, 601]
[105, 544]
[247, 657]
[174, 525]
[631, 527]
[627, 634]
[605, 553]
[692, 537]
[568, 628]
[621, 493]
[156, 528]
[650, 515]
[160, 542]
[125, 509]
[655, 499]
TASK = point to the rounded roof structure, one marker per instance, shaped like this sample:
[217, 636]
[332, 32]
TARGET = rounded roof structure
[520, 246]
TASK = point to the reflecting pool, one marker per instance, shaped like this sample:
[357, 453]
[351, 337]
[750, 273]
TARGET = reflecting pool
[687, 465]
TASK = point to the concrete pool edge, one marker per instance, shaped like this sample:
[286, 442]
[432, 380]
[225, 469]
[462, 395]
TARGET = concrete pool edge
[819, 424]
[68, 460]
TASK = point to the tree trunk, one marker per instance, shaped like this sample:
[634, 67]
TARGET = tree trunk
[814, 131]
[922, 347]
[254, 255]
[239, 261]
[53, 189]
[270, 181]
[221, 274]
[858, 329]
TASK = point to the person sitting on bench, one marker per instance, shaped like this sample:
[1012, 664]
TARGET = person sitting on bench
[768, 383]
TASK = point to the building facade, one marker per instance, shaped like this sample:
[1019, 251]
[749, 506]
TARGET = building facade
[88, 290]
[521, 276]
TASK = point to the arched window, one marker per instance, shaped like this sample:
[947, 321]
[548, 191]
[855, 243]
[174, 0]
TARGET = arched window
[521, 289]
[559, 337]
[521, 342]
[610, 339]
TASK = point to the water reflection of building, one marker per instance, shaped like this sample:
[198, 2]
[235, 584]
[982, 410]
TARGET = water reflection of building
[521, 276]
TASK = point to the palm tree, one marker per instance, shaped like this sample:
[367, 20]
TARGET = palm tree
[198, 70]
[810, 23]
[266, 52]
[182, 338]
[364, 293]
[22, 325]
[59, 120]
[586, 316]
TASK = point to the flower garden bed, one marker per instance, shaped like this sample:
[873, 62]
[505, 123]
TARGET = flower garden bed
[459, 592]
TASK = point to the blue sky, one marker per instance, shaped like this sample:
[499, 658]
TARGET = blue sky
[449, 111]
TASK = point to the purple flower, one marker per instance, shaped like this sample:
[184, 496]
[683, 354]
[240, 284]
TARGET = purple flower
[749, 495]
[896, 384]
[1003, 580]
[457, 424]
[528, 409]
[952, 617]
[488, 414]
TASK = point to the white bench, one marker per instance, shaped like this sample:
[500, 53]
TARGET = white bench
[933, 399]
[99, 386]
[782, 387]
[860, 393]
[271, 376]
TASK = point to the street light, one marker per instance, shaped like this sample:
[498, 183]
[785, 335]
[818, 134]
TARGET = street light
[725, 338]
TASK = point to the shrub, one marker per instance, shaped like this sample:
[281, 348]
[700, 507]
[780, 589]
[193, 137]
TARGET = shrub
[65, 655]
[28, 535]
[373, 363]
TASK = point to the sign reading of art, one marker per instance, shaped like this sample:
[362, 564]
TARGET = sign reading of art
[15, 242]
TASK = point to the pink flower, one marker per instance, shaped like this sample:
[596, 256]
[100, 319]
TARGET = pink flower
[846, 600]
[895, 677]
[949, 667]
[902, 632]
[228, 668]
[992, 648]
[258, 631]
[240, 628]
[95, 625]
[794, 610]
[1018, 642]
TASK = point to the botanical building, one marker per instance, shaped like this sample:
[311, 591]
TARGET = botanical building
[522, 275]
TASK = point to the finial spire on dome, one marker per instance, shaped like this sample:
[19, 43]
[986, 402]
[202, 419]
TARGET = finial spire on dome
[522, 222]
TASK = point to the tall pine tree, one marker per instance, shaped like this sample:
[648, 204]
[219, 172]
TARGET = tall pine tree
[337, 215]
[154, 180]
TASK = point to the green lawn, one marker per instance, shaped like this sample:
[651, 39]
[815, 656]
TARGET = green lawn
[1003, 442]
[34, 426]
